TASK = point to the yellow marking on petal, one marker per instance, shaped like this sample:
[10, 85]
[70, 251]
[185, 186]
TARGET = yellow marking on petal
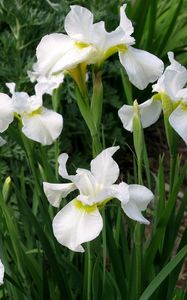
[167, 104]
[121, 47]
[82, 45]
[35, 112]
[88, 208]
[79, 76]
[184, 106]
[157, 97]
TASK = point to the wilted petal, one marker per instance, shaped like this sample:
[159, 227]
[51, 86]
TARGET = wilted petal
[43, 126]
[79, 23]
[55, 191]
[6, 111]
[150, 111]
[2, 270]
[104, 168]
[141, 66]
[73, 226]
[178, 120]
[139, 198]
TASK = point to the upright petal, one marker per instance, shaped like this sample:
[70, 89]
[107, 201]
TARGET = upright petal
[79, 23]
[55, 191]
[2, 271]
[125, 23]
[178, 120]
[139, 198]
[172, 80]
[73, 226]
[86, 182]
[6, 111]
[141, 66]
[11, 86]
[104, 168]
[43, 126]
[150, 111]
[62, 160]
[19, 99]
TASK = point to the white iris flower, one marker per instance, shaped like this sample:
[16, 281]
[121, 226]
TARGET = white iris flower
[171, 90]
[2, 271]
[39, 123]
[90, 43]
[80, 220]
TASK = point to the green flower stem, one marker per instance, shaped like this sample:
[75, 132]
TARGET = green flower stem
[172, 138]
[89, 269]
[139, 143]
[87, 114]
[137, 285]
[104, 252]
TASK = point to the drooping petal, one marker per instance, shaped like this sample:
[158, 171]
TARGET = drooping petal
[141, 66]
[104, 168]
[43, 126]
[79, 23]
[2, 141]
[74, 57]
[6, 111]
[178, 120]
[140, 195]
[50, 49]
[150, 111]
[2, 271]
[55, 191]
[132, 211]
[73, 226]
[139, 198]
[120, 192]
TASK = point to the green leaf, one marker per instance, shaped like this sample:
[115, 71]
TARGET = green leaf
[162, 275]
